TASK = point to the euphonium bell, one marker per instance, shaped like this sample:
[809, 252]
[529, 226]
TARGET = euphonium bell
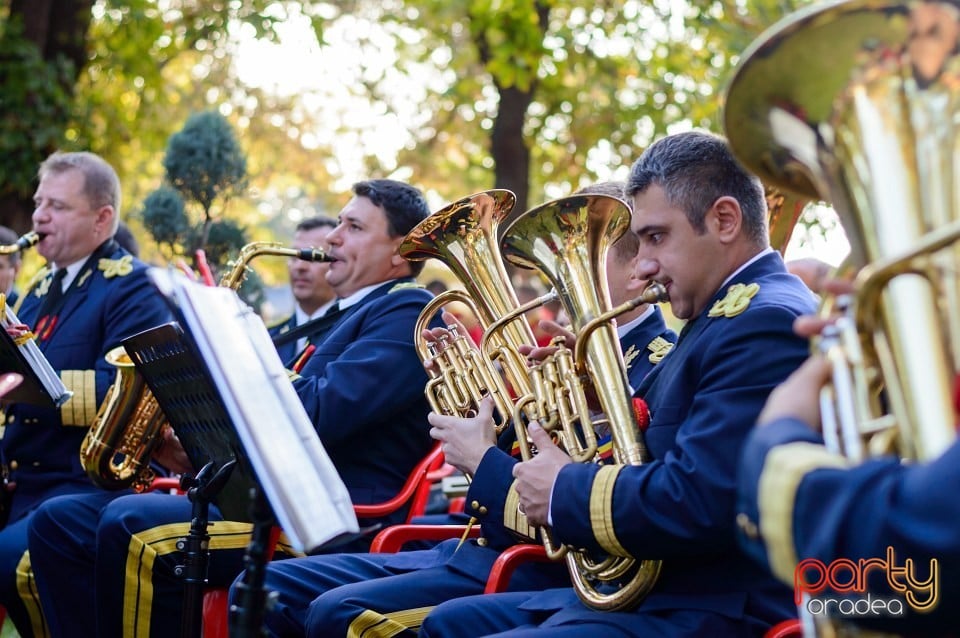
[121, 440]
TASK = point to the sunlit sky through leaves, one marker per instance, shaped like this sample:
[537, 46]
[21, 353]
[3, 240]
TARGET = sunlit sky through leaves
[329, 83]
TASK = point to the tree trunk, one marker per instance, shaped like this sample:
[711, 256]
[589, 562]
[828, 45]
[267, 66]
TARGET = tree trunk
[58, 28]
[511, 157]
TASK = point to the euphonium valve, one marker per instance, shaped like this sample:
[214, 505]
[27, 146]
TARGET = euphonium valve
[464, 236]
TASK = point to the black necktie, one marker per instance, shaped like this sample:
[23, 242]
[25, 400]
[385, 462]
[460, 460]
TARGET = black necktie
[335, 307]
[52, 302]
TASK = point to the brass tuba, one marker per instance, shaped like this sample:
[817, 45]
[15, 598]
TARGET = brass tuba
[567, 240]
[871, 128]
[124, 435]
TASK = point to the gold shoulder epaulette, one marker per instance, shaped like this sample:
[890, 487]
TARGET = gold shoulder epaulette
[406, 285]
[737, 300]
[658, 348]
[278, 322]
[116, 267]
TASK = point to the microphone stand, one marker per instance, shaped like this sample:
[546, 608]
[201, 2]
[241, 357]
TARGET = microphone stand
[195, 547]
[246, 616]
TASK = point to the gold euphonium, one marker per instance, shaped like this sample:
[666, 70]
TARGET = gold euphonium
[871, 128]
[568, 240]
[128, 427]
[464, 236]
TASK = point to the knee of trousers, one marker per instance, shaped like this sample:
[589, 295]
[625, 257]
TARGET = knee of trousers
[331, 612]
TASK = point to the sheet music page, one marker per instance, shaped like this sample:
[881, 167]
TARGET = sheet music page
[300, 481]
[49, 379]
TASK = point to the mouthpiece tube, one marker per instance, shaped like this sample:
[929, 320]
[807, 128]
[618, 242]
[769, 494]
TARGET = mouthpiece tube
[313, 254]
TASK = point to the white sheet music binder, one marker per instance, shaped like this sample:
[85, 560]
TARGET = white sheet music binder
[303, 487]
[41, 384]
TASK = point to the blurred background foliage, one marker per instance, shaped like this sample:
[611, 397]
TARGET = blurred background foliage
[538, 96]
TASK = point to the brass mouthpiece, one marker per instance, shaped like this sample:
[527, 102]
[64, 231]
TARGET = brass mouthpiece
[26, 241]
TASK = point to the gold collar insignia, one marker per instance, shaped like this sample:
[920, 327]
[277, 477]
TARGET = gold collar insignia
[406, 285]
[658, 348]
[116, 267]
[737, 300]
[43, 286]
[631, 354]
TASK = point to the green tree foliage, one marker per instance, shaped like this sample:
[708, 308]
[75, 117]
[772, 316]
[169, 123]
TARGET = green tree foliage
[205, 163]
[205, 168]
[165, 215]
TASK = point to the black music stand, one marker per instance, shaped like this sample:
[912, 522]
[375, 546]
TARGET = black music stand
[40, 384]
[220, 382]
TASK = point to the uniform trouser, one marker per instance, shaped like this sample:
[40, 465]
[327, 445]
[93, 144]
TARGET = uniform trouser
[361, 594]
[18, 587]
[506, 616]
[112, 565]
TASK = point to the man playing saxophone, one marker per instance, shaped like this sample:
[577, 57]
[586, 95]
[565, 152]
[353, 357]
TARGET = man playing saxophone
[348, 593]
[93, 295]
[109, 568]
[701, 222]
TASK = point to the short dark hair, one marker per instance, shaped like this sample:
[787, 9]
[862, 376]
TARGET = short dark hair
[7, 237]
[317, 221]
[403, 204]
[694, 169]
[125, 238]
[627, 245]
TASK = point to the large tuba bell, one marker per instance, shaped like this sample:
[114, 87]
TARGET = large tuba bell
[567, 240]
[121, 440]
[855, 103]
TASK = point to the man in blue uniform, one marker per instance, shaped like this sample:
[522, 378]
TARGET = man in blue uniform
[350, 594]
[801, 504]
[311, 292]
[701, 221]
[362, 389]
[93, 295]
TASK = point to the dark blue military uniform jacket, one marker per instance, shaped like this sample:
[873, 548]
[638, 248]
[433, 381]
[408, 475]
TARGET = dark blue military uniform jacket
[363, 390]
[489, 488]
[854, 513]
[288, 350]
[109, 300]
[680, 507]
